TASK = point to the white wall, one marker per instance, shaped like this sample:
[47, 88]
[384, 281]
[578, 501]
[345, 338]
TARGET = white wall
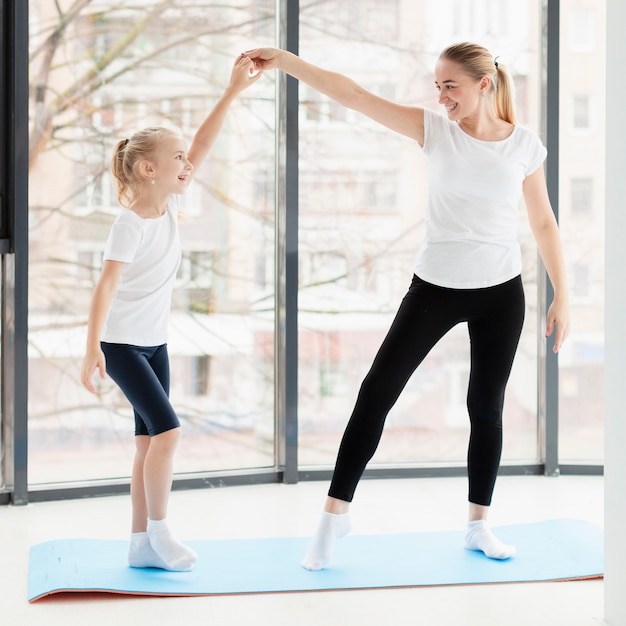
[615, 323]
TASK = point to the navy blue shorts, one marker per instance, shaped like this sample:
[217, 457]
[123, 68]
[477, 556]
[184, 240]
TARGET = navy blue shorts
[143, 375]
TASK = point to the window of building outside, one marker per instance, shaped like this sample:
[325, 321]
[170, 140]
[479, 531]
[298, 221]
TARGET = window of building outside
[581, 216]
[362, 207]
[116, 69]
[581, 112]
[582, 197]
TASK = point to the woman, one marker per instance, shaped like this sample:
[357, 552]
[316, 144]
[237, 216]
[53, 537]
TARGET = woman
[468, 268]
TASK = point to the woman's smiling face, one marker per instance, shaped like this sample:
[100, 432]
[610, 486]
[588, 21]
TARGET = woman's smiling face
[458, 92]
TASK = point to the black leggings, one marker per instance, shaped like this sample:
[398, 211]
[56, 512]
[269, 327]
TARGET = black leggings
[494, 316]
[143, 374]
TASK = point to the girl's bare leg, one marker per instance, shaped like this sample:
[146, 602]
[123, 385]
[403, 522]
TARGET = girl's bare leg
[140, 552]
[137, 490]
[151, 484]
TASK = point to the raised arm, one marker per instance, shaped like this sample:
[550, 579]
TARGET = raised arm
[240, 78]
[546, 232]
[100, 303]
[406, 120]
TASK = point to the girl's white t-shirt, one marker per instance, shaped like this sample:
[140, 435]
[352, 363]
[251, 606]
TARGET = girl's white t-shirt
[151, 252]
[472, 217]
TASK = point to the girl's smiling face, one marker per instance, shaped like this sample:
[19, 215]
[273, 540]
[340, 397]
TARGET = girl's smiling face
[458, 92]
[172, 166]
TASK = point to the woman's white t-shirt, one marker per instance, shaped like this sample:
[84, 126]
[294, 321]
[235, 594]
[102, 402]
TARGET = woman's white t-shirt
[150, 250]
[472, 216]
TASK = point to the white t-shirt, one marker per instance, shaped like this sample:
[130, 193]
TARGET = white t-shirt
[472, 216]
[150, 250]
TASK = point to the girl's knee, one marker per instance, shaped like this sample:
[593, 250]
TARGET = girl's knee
[142, 443]
[166, 439]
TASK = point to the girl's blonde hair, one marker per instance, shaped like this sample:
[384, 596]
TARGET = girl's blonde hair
[478, 62]
[127, 156]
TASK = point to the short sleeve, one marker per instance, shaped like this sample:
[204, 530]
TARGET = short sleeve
[536, 154]
[123, 240]
[428, 130]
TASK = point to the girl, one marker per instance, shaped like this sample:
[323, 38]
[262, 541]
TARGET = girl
[128, 318]
[467, 268]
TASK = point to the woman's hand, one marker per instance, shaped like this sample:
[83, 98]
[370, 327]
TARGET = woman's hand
[559, 317]
[264, 58]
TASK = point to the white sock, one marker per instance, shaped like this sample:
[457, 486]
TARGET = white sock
[176, 556]
[320, 551]
[141, 554]
[479, 537]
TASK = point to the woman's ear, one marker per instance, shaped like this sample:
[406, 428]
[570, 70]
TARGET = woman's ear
[485, 83]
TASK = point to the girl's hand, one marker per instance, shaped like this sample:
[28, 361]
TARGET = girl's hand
[243, 73]
[558, 315]
[94, 359]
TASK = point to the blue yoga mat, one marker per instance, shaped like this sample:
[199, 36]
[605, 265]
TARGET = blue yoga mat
[551, 550]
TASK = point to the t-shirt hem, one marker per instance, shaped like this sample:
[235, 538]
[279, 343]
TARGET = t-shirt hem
[474, 284]
[134, 341]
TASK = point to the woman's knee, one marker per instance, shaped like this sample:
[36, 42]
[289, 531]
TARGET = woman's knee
[485, 410]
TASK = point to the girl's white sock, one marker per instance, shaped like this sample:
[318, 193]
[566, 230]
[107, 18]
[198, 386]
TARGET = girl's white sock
[320, 551]
[141, 554]
[176, 556]
[479, 537]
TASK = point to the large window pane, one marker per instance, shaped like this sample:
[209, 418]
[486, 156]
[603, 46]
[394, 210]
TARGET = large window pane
[362, 206]
[581, 213]
[97, 76]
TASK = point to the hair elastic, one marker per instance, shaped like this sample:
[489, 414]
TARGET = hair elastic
[495, 62]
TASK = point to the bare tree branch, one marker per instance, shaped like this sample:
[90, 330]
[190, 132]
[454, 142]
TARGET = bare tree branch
[45, 114]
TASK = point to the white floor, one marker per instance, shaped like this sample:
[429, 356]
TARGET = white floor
[381, 506]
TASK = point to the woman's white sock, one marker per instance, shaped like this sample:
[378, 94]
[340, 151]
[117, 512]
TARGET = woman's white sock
[320, 551]
[479, 537]
[176, 556]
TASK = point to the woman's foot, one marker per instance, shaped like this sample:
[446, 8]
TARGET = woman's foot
[320, 551]
[480, 538]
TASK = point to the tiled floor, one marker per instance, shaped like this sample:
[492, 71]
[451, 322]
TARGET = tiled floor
[381, 506]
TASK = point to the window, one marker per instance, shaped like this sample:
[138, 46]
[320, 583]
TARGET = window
[580, 281]
[199, 375]
[581, 169]
[219, 330]
[581, 31]
[582, 196]
[581, 112]
[360, 221]
[363, 192]
[313, 103]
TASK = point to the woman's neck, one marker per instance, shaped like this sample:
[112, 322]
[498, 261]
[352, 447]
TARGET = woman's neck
[486, 128]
